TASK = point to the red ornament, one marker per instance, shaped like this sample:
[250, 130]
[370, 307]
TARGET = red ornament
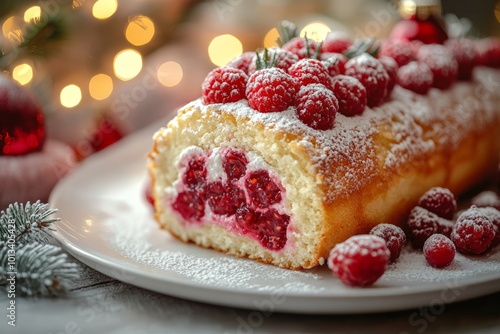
[22, 127]
[421, 21]
[105, 134]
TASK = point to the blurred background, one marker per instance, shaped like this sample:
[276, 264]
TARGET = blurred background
[103, 69]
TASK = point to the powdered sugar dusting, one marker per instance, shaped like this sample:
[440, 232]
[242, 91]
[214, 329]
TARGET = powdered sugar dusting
[142, 243]
[346, 156]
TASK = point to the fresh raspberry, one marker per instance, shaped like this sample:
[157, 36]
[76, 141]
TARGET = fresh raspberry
[195, 173]
[488, 51]
[391, 68]
[234, 163]
[394, 237]
[271, 89]
[242, 62]
[371, 73]
[422, 224]
[464, 51]
[473, 232]
[442, 63]
[190, 204]
[272, 228]
[334, 62]
[494, 217]
[262, 190]
[224, 85]
[336, 42]
[440, 201]
[302, 47]
[310, 71]
[284, 59]
[350, 93]
[416, 76]
[487, 198]
[224, 198]
[360, 260]
[317, 106]
[439, 251]
[401, 51]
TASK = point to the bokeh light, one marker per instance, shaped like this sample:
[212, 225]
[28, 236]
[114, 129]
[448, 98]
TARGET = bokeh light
[271, 38]
[127, 64]
[140, 30]
[32, 14]
[100, 86]
[223, 48]
[170, 74]
[23, 73]
[71, 96]
[11, 27]
[104, 9]
[316, 31]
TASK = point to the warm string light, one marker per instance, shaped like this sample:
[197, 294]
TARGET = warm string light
[127, 64]
[223, 48]
[104, 9]
[170, 74]
[23, 73]
[316, 31]
[271, 38]
[70, 96]
[140, 30]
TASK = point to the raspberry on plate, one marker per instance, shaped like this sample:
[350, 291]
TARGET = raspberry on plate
[301, 46]
[423, 223]
[350, 93]
[440, 201]
[439, 251]
[415, 76]
[442, 63]
[401, 51]
[487, 198]
[360, 260]
[224, 85]
[494, 217]
[394, 237]
[317, 107]
[473, 232]
[308, 71]
[271, 89]
[372, 74]
[464, 51]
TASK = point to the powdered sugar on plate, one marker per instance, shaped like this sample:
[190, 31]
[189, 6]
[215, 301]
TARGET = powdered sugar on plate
[145, 244]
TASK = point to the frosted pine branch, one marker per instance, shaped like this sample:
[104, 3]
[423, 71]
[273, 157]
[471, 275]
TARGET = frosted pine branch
[38, 269]
[26, 223]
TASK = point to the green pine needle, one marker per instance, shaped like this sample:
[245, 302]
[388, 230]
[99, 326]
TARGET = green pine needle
[361, 46]
[37, 270]
[26, 223]
[287, 31]
[264, 60]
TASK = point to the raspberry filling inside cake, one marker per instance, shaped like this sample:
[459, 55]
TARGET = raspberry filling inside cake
[232, 188]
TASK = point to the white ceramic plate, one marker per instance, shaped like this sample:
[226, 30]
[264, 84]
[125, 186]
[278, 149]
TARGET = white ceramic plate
[108, 225]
